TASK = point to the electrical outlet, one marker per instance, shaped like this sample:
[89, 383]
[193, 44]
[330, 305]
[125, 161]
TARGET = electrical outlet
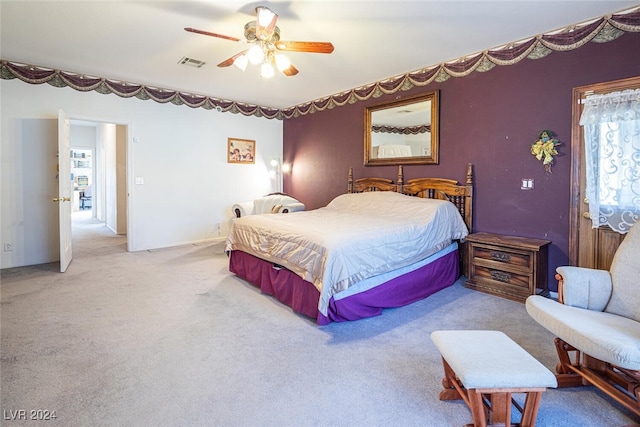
[8, 247]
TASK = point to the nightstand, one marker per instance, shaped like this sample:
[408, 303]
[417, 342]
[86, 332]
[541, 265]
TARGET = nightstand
[508, 266]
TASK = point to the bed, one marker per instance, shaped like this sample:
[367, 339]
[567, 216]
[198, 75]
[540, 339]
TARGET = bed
[356, 256]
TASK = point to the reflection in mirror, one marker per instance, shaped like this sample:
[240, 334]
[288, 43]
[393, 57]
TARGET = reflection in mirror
[402, 132]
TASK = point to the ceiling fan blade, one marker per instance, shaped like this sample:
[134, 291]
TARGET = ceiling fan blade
[310, 47]
[291, 71]
[265, 23]
[229, 61]
[207, 33]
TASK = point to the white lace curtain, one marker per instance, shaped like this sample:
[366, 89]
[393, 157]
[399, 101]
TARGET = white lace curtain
[612, 151]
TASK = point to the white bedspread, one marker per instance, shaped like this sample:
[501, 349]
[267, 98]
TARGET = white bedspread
[354, 237]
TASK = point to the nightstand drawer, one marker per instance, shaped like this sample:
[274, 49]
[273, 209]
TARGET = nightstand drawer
[500, 277]
[503, 256]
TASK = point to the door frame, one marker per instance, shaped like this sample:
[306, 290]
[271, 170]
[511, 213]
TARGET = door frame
[576, 195]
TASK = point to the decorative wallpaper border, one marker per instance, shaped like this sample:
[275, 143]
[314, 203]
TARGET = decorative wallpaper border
[409, 130]
[601, 30]
[39, 75]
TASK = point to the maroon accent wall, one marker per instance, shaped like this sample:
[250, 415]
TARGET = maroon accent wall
[489, 119]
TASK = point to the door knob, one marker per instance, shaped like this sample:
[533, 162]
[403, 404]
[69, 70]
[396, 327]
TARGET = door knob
[61, 199]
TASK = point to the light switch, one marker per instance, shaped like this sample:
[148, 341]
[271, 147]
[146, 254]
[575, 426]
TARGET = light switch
[527, 184]
[139, 180]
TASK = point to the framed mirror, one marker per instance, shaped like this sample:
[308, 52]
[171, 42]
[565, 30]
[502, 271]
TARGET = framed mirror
[402, 132]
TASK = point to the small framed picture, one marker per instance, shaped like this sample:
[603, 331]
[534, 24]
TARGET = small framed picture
[241, 150]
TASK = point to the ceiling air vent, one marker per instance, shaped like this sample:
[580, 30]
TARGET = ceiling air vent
[191, 62]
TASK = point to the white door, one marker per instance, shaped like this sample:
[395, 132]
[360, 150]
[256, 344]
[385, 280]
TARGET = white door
[65, 191]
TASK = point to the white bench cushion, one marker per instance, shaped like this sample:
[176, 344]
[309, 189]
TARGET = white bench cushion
[490, 359]
[605, 336]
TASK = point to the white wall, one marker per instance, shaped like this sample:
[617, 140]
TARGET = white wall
[27, 208]
[83, 136]
[180, 154]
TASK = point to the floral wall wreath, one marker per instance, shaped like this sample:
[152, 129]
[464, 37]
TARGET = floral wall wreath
[545, 148]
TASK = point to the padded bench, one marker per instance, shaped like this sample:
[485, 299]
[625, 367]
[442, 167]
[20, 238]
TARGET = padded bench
[481, 365]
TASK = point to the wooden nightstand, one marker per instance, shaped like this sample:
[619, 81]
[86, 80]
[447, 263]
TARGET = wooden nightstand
[508, 266]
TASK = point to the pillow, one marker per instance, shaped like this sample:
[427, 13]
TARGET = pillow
[364, 202]
[383, 203]
[276, 208]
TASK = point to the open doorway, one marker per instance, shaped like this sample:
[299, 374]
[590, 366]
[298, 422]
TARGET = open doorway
[98, 174]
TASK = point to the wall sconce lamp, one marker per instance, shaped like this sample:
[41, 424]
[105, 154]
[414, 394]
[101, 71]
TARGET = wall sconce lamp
[277, 168]
[275, 173]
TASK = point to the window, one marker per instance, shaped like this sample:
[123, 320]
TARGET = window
[612, 151]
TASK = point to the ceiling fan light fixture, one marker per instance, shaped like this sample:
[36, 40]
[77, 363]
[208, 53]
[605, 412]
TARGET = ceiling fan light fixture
[255, 54]
[262, 36]
[265, 16]
[241, 62]
[266, 71]
[282, 62]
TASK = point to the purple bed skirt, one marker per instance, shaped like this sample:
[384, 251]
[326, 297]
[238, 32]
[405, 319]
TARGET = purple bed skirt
[303, 297]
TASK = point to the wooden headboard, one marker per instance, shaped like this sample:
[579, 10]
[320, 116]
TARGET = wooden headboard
[431, 188]
[461, 195]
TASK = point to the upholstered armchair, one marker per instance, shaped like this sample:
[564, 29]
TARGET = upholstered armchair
[597, 324]
[271, 203]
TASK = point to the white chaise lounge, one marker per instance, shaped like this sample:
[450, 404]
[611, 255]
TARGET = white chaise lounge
[271, 203]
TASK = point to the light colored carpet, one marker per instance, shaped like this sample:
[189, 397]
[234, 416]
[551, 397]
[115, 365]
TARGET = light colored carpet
[171, 338]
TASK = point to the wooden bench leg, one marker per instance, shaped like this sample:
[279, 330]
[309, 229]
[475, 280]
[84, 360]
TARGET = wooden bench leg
[478, 411]
[452, 388]
[530, 412]
[497, 411]
[500, 409]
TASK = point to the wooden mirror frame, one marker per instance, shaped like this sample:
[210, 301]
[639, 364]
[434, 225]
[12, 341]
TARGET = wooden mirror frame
[431, 159]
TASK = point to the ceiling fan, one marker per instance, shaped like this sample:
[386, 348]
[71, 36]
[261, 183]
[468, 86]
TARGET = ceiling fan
[264, 37]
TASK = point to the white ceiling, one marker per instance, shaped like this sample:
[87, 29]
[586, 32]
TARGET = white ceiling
[142, 41]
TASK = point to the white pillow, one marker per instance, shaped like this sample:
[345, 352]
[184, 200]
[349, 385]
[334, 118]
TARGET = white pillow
[383, 203]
